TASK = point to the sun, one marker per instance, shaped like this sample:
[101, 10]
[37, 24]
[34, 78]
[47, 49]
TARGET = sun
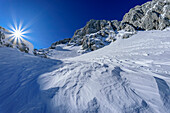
[17, 33]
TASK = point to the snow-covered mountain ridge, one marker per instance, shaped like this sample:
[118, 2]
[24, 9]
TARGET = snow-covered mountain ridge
[128, 76]
[153, 15]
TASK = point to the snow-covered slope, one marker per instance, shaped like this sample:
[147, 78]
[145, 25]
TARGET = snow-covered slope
[61, 51]
[19, 90]
[128, 76]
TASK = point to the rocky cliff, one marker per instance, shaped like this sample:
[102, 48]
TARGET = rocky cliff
[96, 34]
[153, 15]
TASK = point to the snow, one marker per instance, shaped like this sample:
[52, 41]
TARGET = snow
[129, 75]
[30, 46]
[62, 51]
[19, 90]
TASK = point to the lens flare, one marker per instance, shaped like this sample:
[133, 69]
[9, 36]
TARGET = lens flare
[17, 33]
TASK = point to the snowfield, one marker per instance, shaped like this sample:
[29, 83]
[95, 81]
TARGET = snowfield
[62, 51]
[128, 76]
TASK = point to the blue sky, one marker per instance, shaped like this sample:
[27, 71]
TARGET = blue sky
[52, 20]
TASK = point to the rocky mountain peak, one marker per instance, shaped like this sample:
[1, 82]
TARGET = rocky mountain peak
[153, 15]
[95, 34]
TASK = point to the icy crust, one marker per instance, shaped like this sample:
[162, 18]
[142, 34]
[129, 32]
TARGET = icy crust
[128, 76]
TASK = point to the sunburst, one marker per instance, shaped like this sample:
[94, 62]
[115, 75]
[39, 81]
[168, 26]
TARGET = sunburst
[17, 33]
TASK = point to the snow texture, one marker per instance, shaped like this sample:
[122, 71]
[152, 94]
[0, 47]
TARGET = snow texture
[128, 76]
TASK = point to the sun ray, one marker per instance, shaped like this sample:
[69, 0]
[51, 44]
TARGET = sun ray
[20, 25]
[19, 41]
[27, 37]
[12, 27]
[15, 41]
[11, 32]
[24, 28]
[11, 38]
[25, 32]
[9, 35]
[15, 24]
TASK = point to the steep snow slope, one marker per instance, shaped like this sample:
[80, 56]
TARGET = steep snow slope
[128, 76]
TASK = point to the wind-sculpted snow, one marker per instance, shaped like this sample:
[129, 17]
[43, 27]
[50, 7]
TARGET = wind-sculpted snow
[19, 90]
[128, 76]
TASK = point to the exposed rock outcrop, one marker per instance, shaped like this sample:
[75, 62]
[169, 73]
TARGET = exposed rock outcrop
[65, 41]
[153, 15]
[41, 53]
[2, 37]
[95, 35]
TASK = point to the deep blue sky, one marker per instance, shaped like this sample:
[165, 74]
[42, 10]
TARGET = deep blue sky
[52, 20]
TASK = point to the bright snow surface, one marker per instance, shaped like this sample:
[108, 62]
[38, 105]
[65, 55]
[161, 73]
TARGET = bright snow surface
[128, 76]
[63, 51]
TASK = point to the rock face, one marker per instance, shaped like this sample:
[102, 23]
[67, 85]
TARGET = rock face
[153, 15]
[2, 37]
[65, 41]
[96, 34]
[4, 42]
[41, 53]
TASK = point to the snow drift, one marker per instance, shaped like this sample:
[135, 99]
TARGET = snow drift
[128, 76]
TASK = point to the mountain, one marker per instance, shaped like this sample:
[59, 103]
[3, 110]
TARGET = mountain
[96, 34]
[106, 67]
[153, 15]
[128, 76]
